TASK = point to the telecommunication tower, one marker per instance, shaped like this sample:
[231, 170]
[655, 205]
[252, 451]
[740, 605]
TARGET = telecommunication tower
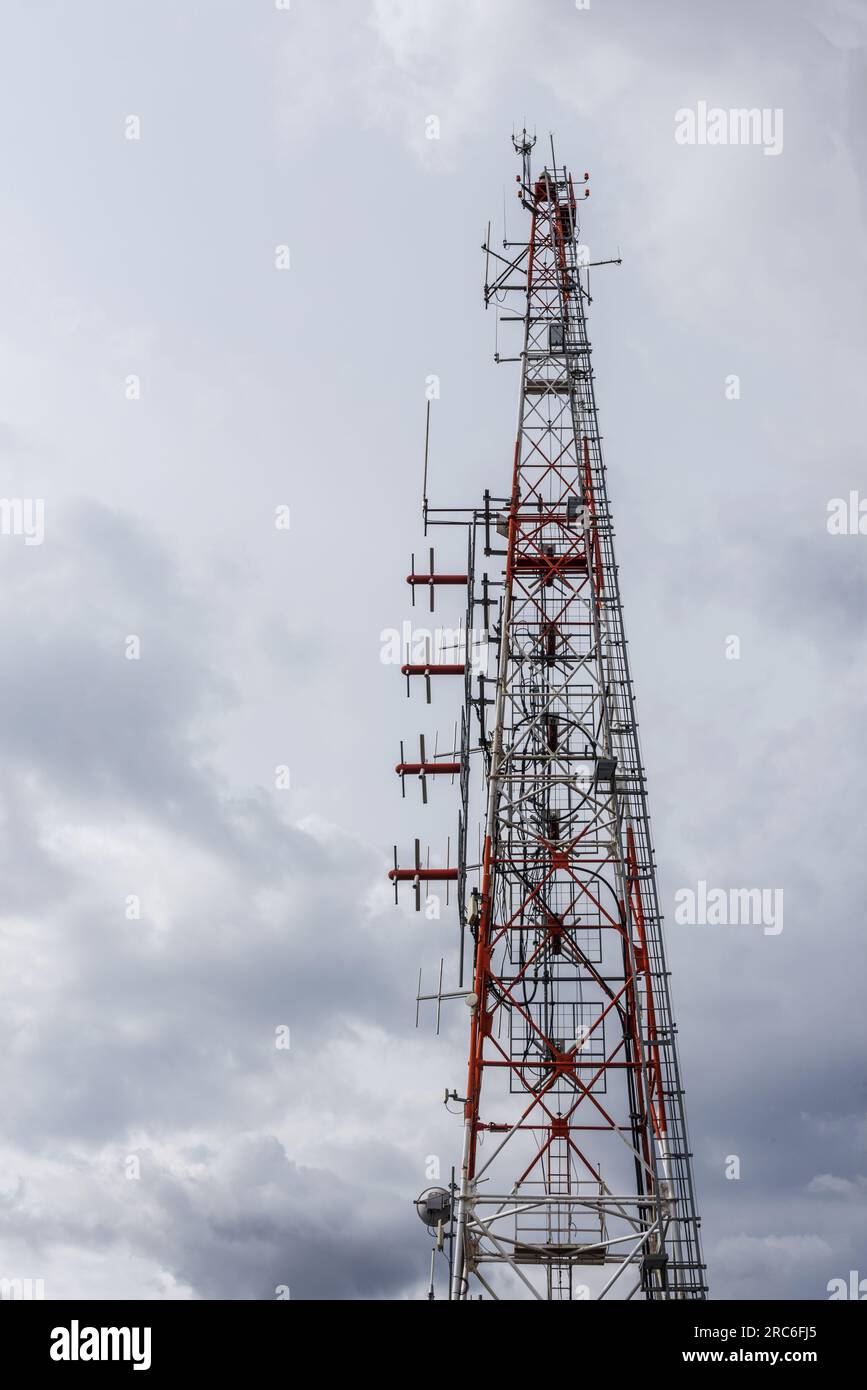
[575, 1177]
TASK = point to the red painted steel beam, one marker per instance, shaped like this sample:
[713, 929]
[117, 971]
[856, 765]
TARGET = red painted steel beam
[433, 670]
[423, 875]
[436, 579]
[428, 769]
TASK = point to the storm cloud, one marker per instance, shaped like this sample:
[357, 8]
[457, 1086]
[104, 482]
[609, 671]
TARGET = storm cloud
[172, 913]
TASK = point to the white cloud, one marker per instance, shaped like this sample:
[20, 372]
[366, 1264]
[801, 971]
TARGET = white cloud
[826, 1184]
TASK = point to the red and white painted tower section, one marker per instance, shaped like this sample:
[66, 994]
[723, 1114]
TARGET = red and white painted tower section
[574, 1179]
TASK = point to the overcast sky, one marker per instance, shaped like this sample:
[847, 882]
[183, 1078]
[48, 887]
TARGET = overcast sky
[147, 1045]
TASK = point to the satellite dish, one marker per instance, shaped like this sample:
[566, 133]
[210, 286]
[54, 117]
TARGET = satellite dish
[434, 1206]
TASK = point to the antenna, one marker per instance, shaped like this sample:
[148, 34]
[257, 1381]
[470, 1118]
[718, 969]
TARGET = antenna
[421, 776]
[487, 261]
[440, 995]
[424, 502]
[524, 144]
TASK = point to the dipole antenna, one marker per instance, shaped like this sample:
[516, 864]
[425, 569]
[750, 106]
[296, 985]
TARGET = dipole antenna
[524, 145]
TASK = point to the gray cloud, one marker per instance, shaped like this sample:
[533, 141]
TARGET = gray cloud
[155, 1037]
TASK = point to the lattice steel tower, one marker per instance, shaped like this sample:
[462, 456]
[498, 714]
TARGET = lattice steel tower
[575, 1178]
